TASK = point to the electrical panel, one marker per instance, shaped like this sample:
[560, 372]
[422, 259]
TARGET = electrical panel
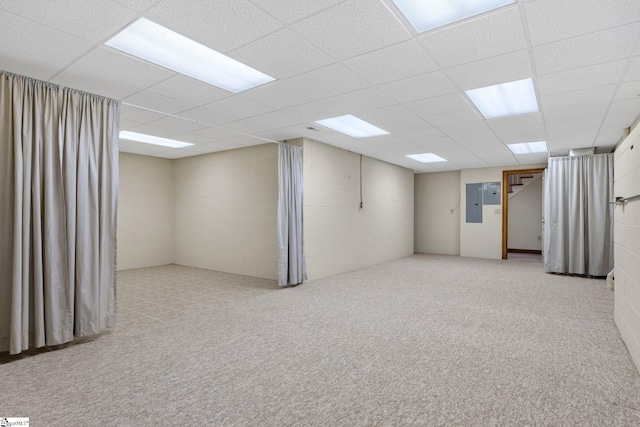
[491, 193]
[474, 202]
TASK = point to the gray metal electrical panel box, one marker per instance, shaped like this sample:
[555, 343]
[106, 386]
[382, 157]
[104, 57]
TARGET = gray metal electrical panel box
[474, 202]
[491, 193]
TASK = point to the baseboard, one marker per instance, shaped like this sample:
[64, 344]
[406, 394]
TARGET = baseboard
[525, 251]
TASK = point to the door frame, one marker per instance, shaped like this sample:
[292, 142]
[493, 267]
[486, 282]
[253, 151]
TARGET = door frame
[505, 203]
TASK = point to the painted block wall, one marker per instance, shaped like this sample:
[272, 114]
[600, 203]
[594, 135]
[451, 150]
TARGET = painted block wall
[225, 211]
[484, 240]
[437, 213]
[525, 218]
[627, 243]
[145, 211]
[339, 236]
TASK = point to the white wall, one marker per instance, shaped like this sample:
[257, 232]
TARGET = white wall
[437, 213]
[525, 218]
[339, 236]
[483, 240]
[145, 211]
[225, 211]
[627, 243]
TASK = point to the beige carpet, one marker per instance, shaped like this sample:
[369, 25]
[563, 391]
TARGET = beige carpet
[427, 340]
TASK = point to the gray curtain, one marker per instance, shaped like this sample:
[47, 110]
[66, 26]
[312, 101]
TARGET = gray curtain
[58, 174]
[578, 215]
[292, 268]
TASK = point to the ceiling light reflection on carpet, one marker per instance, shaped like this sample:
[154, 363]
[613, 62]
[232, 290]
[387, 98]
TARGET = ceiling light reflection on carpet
[426, 158]
[529, 147]
[352, 126]
[155, 140]
[425, 15]
[506, 99]
[153, 42]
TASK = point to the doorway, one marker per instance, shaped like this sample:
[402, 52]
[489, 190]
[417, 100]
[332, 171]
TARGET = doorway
[511, 181]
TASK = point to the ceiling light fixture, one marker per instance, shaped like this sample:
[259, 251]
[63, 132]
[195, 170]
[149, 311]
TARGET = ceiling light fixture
[150, 139]
[529, 147]
[506, 99]
[352, 126]
[153, 42]
[425, 15]
[426, 158]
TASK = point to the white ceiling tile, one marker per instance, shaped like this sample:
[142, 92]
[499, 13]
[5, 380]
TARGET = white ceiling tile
[633, 72]
[107, 72]
[226, 110]
[34, 40]
[245, 127]
[593, 48]
[420, 135]
[391, 63]
[328, 81]
[207, 115]
[581, 78]
[192, 91]
[282, 54]
[279, 95]
[138, 115]
[212, 133]
[572, 126]
[552, 20]
[419, 87]
[626, 106]
[156, 102]
[391, 113]
[223, 25]
[469, 133]
[150, 129]
[628, 90]
[590, 111]
[277, 119]
[530, 159]
[293, 10]
[522, 128]
[92, 20]
[492, 71]
[454, 117]
[489, 35]
[360, 100]
[574, 138]
[439, 104]
[137, 5]
[594, 95]
[407, 126]
[177, 124]
[14, 62]
[352, 28]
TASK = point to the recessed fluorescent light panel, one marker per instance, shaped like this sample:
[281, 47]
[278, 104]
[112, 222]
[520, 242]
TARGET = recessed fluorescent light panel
[155, 43]
[529, 147]
[150, 139]
[425, 15]
[352, 126]
[506, 99]
[426, 158]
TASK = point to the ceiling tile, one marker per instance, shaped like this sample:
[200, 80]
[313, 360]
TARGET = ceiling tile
[150, 129]
[470, 133]
[629, 90]
[492, 71]
[581, 78]
[328, 81]
[226, 110]
[279, 95]
[489, 35]
[138, 115]
[282, 54]
[178, 124]
[14, 62]
[595, 95]
[407, 126]
[391, 63]
[156, 102]
[626, 106]
[276, 119]
[633, 72]
[391, 113]
[552, 20]
[593, 48]
[591, 111]
[137, 5]
[293, 10]
[30, 39]
[352, 28]
[454, 117]
[223, 25]
[109, 73]
[191, 91]
[92, 20]
[419, 87]
[439, 104]
[522, 128]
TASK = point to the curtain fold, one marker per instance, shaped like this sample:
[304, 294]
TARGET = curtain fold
[59, 195]
[292, 268]
[578, 215]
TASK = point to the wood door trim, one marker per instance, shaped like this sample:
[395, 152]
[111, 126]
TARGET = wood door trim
[505, 203]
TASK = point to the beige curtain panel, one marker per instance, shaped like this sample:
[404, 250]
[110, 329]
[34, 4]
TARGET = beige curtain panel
[58, 189]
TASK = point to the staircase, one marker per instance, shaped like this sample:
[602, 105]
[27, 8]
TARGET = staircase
[519, 182]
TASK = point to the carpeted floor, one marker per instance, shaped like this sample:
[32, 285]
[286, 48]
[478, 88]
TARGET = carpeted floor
[426, 340]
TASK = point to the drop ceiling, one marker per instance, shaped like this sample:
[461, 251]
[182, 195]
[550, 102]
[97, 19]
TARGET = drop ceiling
[336, 57]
